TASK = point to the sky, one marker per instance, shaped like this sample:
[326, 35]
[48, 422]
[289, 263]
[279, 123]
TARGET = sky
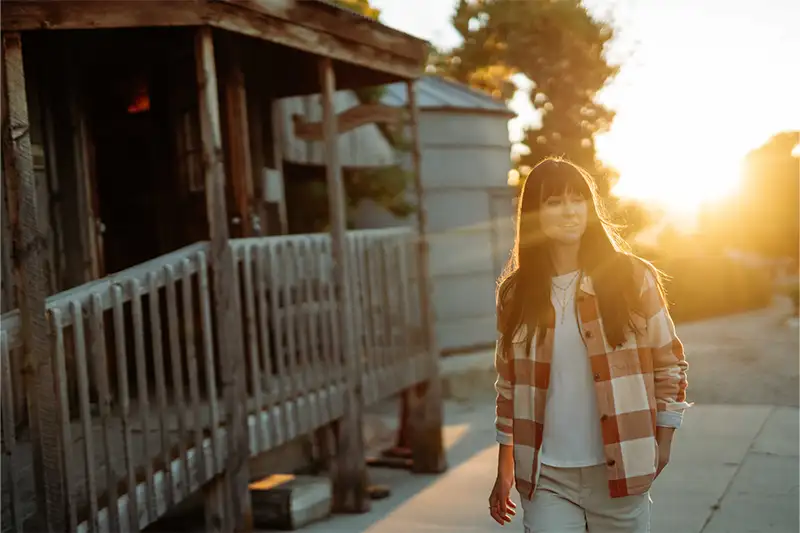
[708, 80]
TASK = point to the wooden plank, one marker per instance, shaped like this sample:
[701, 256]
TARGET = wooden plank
[293, 376]
[272, 394]
[316, 370]
[191, 362]
[160, 378]
[226, 293]
[390, 51]
[350, 485]
[252, 337]
[58, 252]
[175, 356]
[32, 285]
[214, 506]
[237, 131]
[355, 249]
[256, 98]
[120, 349]
[86, 412]
[143, 394]
[324, 318]
[428, 419]
[208, 357]
[283, 384]
[409, 346]
[301, 308]
[11, 321]
[328, 18]
[62, 390]
[386, 326]
[99, 363]
[278, 155]
[91, 240]
[9, 296]
[11, 460]
[348, 120]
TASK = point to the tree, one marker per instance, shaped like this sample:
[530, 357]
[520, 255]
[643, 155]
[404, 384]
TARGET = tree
[770, 205]
[763, 217]
[556, 44]
[362, 7]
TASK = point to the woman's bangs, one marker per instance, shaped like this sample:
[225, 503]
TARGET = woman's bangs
[565, 179]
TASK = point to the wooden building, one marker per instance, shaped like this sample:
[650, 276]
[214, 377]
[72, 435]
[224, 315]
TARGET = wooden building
[159, 334]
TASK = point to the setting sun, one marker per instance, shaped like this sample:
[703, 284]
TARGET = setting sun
[684, 120]
[679, 183]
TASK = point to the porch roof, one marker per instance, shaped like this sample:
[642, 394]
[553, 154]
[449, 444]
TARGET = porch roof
[312, 26]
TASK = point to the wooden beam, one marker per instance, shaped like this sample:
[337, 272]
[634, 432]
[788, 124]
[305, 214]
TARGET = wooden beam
[226, 294]
[350, 481]
[425, 400]
[238, 135]
[32, 284]
[393, 53]
[342, 23]
[349, 120]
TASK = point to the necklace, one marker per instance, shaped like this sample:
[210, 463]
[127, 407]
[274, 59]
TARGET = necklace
[562, 301]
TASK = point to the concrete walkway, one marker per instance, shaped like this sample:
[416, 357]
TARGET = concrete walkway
[734, 470]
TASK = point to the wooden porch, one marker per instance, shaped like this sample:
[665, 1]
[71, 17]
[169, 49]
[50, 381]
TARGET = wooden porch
[128, 385]
[296, 370]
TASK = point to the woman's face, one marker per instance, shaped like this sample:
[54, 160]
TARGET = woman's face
[563, 218]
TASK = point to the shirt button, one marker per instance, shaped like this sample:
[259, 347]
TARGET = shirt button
[611, 462]
[597, 377]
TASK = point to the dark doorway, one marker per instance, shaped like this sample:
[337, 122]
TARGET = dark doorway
[141, 202]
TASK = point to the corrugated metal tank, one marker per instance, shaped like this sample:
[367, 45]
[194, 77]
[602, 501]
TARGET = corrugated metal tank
[466, 156]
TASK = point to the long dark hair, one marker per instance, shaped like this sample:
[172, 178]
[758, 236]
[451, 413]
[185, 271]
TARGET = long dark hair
[524, 289]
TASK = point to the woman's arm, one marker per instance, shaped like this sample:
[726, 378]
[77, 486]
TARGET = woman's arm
[669, 363]
[504, 406]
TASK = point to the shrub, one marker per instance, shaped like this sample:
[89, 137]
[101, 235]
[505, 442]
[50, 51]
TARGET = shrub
[701, 287]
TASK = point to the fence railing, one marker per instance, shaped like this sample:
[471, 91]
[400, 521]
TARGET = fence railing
[137, 368]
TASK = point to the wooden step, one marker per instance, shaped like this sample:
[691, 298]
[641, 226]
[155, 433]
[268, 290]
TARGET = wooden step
[289, 502]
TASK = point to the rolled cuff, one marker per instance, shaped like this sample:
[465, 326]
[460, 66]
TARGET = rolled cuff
[505, 438]
[669, 419]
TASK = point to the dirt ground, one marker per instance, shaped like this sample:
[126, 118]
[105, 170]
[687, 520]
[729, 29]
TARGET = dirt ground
[751, 358]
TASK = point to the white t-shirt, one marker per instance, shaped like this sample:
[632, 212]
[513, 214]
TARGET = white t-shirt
[572, 437]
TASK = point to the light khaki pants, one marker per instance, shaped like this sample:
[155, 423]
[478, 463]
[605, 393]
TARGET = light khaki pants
[576, 500]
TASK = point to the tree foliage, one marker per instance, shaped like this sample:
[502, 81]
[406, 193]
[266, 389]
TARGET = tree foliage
[770, 198]
[764, 217]
[362, 7]
[560, 47]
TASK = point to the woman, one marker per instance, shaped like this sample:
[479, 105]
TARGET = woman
[591, 376]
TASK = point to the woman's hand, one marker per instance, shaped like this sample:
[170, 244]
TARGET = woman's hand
[500, 505]
[664, 439]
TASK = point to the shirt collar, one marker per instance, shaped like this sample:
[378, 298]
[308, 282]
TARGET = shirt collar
[586, 285]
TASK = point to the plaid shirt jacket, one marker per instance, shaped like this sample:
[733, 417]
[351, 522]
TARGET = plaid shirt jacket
[639, 385]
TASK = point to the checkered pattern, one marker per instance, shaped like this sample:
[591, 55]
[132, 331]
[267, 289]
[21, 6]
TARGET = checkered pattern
[639, 385]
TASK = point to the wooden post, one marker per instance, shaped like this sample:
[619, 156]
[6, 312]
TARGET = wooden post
[350, 481]
[424, 401]
[277, 147]
[32, 286]
[238, 143]
[238, 515]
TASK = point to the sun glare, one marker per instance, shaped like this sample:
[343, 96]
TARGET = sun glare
[679, 184]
